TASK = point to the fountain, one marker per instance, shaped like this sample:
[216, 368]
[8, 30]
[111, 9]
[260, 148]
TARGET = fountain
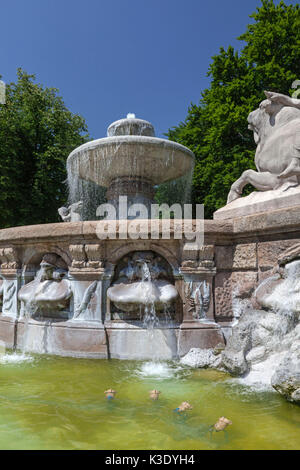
[66, 289]
[75, 289]
[129, 162]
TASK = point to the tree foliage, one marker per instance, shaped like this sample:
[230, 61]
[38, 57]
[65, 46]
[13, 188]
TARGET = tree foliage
[37, 132]
[216, 130]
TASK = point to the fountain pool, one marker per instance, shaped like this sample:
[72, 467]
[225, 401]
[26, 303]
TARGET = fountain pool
[58, 403]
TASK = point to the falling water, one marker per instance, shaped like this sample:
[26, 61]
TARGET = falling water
[90, 193]
[31, 308]
[283, 303]
[151, 323]
[178, 191]
[96, 162]
[150, 318]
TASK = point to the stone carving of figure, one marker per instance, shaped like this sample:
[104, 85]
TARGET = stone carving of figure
[198, 299]
[49, 291]
[49, 294]
[144, 280]
[276, 128]
[71, 213]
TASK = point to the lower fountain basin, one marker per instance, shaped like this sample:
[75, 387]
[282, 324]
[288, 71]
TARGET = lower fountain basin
[62, 406]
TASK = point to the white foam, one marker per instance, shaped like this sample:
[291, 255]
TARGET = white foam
[261, 373]
[159, 370]
[15, 358]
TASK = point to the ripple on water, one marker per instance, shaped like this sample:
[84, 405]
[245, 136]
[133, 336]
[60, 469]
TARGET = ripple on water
[15, 358]
[160, 370]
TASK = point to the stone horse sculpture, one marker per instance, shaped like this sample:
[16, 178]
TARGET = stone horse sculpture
[276, 128]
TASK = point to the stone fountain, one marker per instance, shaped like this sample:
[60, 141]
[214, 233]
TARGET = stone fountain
[65, 289]
[129, 162]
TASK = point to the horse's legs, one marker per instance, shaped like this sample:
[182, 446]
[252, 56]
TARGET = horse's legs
[264, 181]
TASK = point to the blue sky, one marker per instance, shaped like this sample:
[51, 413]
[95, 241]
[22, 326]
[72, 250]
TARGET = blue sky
[111, 57]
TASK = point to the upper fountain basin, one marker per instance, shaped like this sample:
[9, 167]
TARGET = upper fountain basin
[131, 126]
[147, 157]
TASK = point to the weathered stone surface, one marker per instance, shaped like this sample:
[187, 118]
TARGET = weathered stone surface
[224, 257]
[259, 202]
[233, 357]
[231, 285]
[240, 256]
[202, 338]
[269, 252]
[291, 254]
[7, 331]
[282, 221]
[244, 256]
[64, 339]
[201, 358]
[286, 379]
[45, 231]
[256, 336]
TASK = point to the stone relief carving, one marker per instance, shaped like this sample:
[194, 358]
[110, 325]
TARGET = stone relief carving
[198, 259]
[81, 308]
[79, 256]
[276, 128]
[197, 295]
[9, 258]
[206, 256]
[95, 256]
[9, 294]
[71, 213]
[87, 256]
[51, 292]
[142, 278]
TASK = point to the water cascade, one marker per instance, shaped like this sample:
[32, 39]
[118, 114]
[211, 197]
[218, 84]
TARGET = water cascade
[130, 162]
[267, 338]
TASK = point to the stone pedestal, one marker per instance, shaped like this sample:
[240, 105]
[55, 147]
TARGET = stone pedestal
[198, 335]
[11, 284]
[75, 339]
[8, 328]
[198, 328]
[258, 202]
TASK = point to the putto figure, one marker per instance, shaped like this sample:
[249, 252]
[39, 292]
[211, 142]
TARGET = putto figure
[276, 128]
[71, 213]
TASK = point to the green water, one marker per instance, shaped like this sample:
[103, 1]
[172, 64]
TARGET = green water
[58, 403]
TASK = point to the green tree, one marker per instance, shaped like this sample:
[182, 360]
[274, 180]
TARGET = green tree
[37, 132]
[216, 130]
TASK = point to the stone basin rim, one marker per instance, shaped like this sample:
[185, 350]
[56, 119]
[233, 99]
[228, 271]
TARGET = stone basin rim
[131, 139]
[156, 160]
